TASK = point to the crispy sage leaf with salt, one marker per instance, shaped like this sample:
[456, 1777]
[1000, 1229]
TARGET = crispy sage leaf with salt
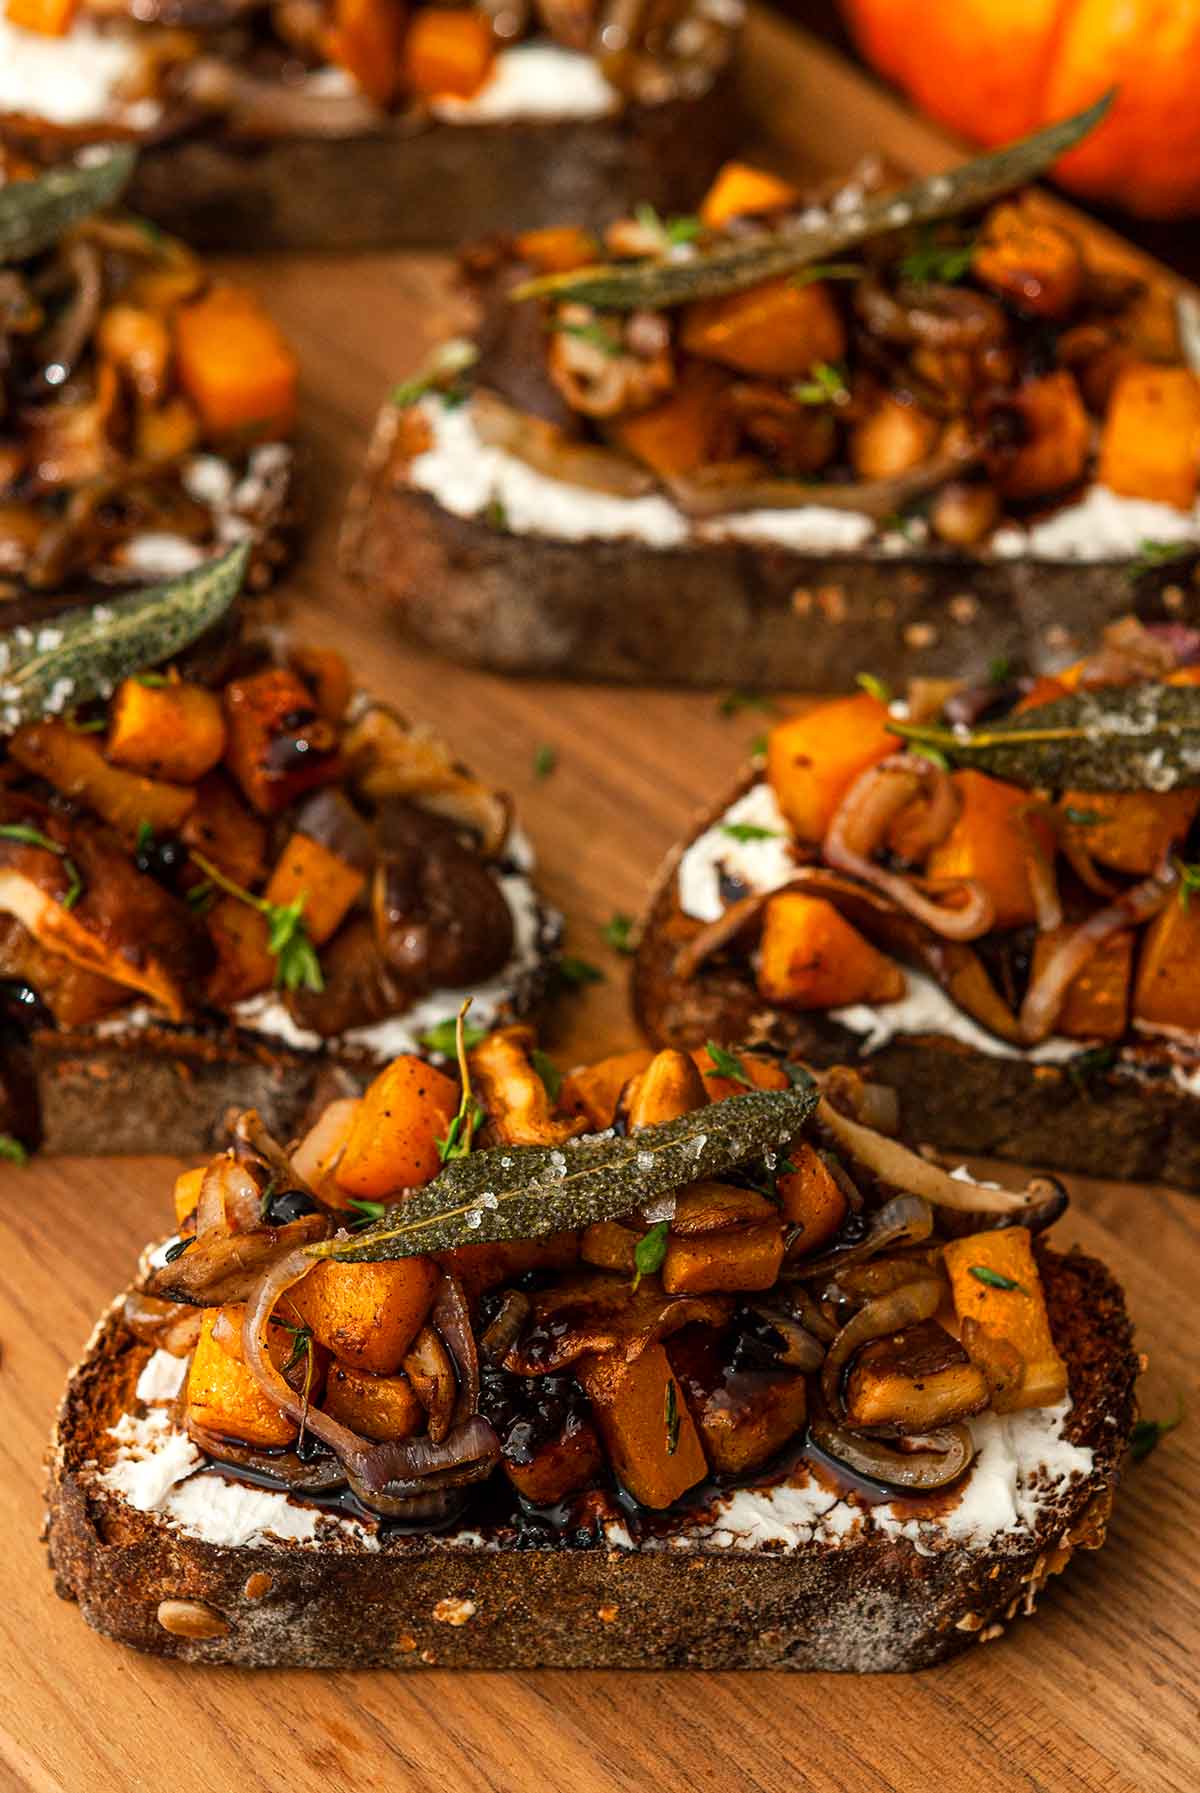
[523, 1192]
[729, 268]
[1118, 738]
[79, 654]
[34, 214]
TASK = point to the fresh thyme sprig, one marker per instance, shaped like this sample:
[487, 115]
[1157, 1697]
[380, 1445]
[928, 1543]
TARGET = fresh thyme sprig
[461, 1131]
[33, 837]
[297, 966]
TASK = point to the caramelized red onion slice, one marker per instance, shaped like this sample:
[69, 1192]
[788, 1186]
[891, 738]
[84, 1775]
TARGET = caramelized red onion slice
[507, 1326]
[429, 1369]
[894, 1164]
[873, 801]
[320, 1476]
[227, 1266]
[1048, 991]
[802, 1349]
[1043, 881]
[904, 1220]
[393, 1477]
[911, 1303]
[230, 1200]
[948, 1453]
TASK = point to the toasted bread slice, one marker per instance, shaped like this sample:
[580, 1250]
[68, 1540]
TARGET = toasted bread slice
[797, 1577]
[1120, 1114]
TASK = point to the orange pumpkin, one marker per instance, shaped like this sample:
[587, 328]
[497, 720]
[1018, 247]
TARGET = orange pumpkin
[994, 70]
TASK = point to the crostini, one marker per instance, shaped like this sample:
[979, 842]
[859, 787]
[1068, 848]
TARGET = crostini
[925, 427]
[145, 406]
[677, 1361]
[363, 123]
[985, 891]
[227, 872]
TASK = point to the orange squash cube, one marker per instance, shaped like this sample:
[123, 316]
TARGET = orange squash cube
[742, 1258]
[222, 1394]
[225, 831]
[763, 1073]
[244, 962]
[812, 1198]
[1058, 439]
[174, 731]
[366, 38]
[382, 1407]
[483, 1267]
[778, 329]
[1131, 831]
[813, 759]
[740, 191]
[449, 50]
[1150, 443]
[1097, 1004]
[991, 842]
[557, 249]
[559, 1467]
[1014, 1315]
[810, 957]
[75, 765]
[1166, 995]
[685, 430]
[187, 1193]
[649, 1434]
[53, 18]
[234, 364]
[594, 1090]
[278, 745]
[393, 1142]
[328, 885]
[367, 1314]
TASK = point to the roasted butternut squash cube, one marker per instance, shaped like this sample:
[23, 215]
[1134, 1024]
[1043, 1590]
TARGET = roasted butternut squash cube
[187, 1193]
[244, 962]
[1132, 831]
[483, 1267]
[594, 1090]
[558, 249]
[327, 675]
[763, 1073]
[813, 759]
[777, 329]
[670, 1086]
[1097, 1002]
[559, 1466]
[1150, 443]
[448, 50]
[1166, 995]
[1030, 260]
[393, 1144]
[744, 1417]
[366, 38]
[812, 1198]
[892, 438]
[382, 1407]
[367, 1314]
[278, 744]
[234, 364]
[740, 191]
[225, 831]
[992, 841]
[745, 1259]
[643, 1418]
[1056, 439]
[53, 18]
[686, 430]
[810, 957]
[222, 1394]
[75, 765]
[328, 885]
[173, 731]
[916, 1380]
[994, 1280]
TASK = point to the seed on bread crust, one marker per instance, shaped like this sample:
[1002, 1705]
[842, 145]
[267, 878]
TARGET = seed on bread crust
[192, 1618]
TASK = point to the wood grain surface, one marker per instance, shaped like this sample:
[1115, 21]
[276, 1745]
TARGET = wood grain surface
[1098, 1695]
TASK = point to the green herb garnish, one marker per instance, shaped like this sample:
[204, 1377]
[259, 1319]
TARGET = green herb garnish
[876, 688]
[579, 972]
[673, 231]
[12, 1151]
[33, 837]
[200, 896]
[727, 1064]
[444, 1037]
[827, 386]
[1082, 818]
[440, 371]
[545, 758]
[1147, 1432]
[461, 1131]
[94, 725]
[650, 1250]
[1152, 555]
[618, 932]
[758, 747]
[934, 755]
[747, 831]
[525, 1192]
[153, 681]
[1000, 670]
[994, 1279]
[600, 335]
[734, 702]
[933, 262]
[671, 1415]
[828, 270]
[496, 514]
[548, 1071]
[1189, 880]
[297, 966]
[145, 836]
[367, 1212]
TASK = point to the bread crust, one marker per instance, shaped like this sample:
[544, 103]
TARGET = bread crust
[1097, 1120]
[389, 188]
[723, 613]
[880, 1606]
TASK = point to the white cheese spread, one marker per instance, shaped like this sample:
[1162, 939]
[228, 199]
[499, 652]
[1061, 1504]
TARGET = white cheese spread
[762, 862]
[534, 81]
[468, 477]
[925, 1008]
[77, 79]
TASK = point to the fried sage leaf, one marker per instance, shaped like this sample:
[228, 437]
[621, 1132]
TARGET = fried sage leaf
[49, 667]
[34, 214]
[729, 268]
[523, 1192]
[1118, 738]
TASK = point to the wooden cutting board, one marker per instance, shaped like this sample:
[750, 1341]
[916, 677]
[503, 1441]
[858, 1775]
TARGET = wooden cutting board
[1098, 1694]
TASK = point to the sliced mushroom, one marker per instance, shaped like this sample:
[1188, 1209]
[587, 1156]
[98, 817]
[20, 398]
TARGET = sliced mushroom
[428, 1367]
[514, 1097]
